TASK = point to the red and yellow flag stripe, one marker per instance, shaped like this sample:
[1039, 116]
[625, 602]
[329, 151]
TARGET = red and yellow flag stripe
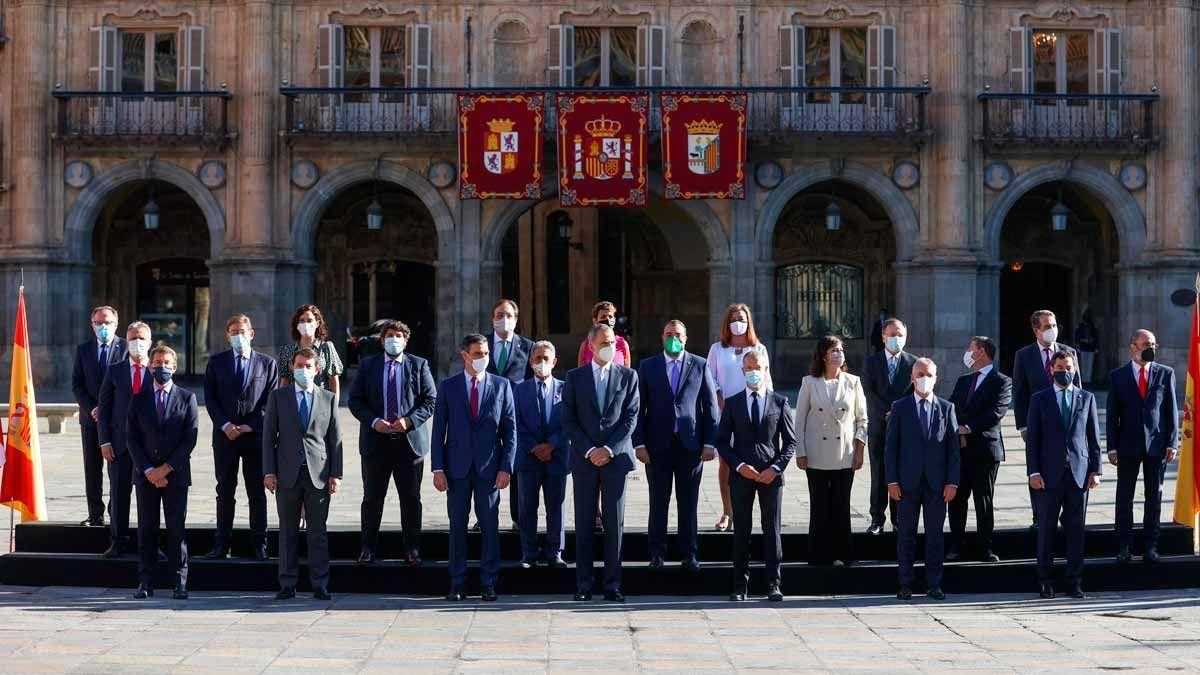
[21, 486]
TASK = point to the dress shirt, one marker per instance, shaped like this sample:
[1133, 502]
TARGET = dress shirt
[601, 373]
[1053, 347]
[1137, 371]
[762, 406]
[1059, 392]
[399, 360]
[158, 388]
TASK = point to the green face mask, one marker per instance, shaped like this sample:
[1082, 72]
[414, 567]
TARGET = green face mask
[673, 345]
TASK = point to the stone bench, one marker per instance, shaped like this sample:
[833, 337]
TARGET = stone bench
[55, 414]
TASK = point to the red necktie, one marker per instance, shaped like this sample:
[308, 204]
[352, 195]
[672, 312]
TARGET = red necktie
[474, 399]
[1142, 380]
[137, 377]
[1049, 375]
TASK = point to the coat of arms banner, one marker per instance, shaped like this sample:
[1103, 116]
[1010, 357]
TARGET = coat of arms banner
[704, 145]
[500, 146]
[602, 149]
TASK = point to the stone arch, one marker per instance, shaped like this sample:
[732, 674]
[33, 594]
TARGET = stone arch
[1122, 207]
[81, 217]
[900, 211]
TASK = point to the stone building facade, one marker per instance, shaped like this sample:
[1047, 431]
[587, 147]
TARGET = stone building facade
[986, 119]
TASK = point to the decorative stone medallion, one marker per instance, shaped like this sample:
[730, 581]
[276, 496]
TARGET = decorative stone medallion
[211, 173]
[305, 174]
[441, 173]
[997, 176]
[1133, 177]
[768, 175]
[906, 175]
[77, 174]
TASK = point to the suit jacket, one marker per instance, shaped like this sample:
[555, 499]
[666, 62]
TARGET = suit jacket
[587, 426]
[693, 407]
[486, 443]
[229, 402]
[116, 392]
[827, 428]
[983, 412]
[285, 444]
[771, 443]
[517, 368]
[153, 443]
[912, 455]
[1029, 377]
[1050, 446]
[532, 430]
[881, 394]
[87, 377]
[1139, 426]
[417, 397]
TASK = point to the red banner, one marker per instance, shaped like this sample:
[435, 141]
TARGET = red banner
[500, 146]
[602, 149]
[704, 145]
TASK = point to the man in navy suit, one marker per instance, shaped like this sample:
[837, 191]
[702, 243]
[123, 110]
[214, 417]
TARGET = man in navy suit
[162, 426]
[600, 409]
[676, 433]
[392, 398]
[237, 383]
[121, 383]
[1142, 432]
[1032, 373]
[542, 457]
[92, 360]
[757, 439]
[1062, 458]
[886, 379]
[923, 465]
[510, 359]
[474, 438]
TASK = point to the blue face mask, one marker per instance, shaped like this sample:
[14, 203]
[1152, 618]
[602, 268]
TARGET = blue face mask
[303, 377]
[754, 378]
[240, 342]
[104, 332]
[393, 345]
[163, 374]
[895, 344]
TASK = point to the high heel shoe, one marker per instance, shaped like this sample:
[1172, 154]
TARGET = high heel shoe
[723, 524]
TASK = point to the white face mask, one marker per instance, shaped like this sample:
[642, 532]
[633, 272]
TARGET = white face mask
[393, 345]
[925, 384]
[738, 327]
[506, 325]
[607, 353]
[836, 358]
[1050, 335]
[138, 348]
[543, 370]
[480, 364]
[895, 344]
[968, 359]
[307, 328]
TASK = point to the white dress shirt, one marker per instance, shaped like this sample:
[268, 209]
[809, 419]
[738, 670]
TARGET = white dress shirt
[762, 408]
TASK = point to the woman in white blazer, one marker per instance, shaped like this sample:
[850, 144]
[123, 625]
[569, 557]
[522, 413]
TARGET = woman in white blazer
[831, 436]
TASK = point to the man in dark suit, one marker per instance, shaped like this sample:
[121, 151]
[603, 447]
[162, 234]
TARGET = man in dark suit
[886, 378]
[922, 460]
[1142, 432]
[1032, 373]
[542, 457]
[237, 383]
[302, 463]
[121, 383]
[510, 359]
[474, 438]
[757, 439]
[981, 399]
[600, 409]
[1062, 458]
[163, 422]
[392, 398]
[92, 360]
[676, 433]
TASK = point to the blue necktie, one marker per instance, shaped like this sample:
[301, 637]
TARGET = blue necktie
[542, 407]
[162, 404]
[392, 413]
[925, 417]
[304, 411]
[239, 369]
[755, 415]
[675, 386]
[601, 386]
[103, 358]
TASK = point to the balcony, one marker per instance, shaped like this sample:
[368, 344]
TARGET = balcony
[1102, 122]
[145, 118]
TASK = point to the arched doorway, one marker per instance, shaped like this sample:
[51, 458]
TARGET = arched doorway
[159, 275]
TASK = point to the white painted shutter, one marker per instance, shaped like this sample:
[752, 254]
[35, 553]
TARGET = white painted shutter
[102, 58]
[1020, 60]
[652, 56]
[331, 70]
[1108, 61]
[560, 56]
[191, 58]
[791, 67]
[420, 67]
[881, 64]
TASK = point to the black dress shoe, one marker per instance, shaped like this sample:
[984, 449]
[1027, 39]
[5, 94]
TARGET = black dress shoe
[1123, 555]
[321, 594]
[476, 528]
[1077, 592]
[366, 557]
[527, 563]
[93, 522]
[143, 591]
[488, 594]
[456, 594]
[260, 552]
[774, 594]
[691, 565]
[286, 593]
[557, 561]
[905, 593]
[952, 553]
[989, 557]
[219, 552]
[656, 563]
[1151, 556]
[180, 592]
[1047, 592]
[935, 593]
[1033, 526]
[737, 596]
[875, 528]
[614, 596]
[583, 596]
[413, 559]
[113, 551]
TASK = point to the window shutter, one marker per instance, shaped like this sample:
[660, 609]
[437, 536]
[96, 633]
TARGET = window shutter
[881, 63]
[102, 57]
[791, 67]
[331, 55]
[652, 56]
[1020, 59]
[191, 58]
[560, 56]
[420, 67]
[1108, 61]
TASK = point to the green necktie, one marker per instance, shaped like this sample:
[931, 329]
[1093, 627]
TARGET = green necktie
[503, 358]
[1066, 410]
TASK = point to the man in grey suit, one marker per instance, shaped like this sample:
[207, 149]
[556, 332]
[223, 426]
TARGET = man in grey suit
[302, 467]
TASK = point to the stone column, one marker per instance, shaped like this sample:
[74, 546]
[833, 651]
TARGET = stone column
[1175, 185]
[719, 283]
[950, 108]
[256, 98]
[31, 119]
[937, 301]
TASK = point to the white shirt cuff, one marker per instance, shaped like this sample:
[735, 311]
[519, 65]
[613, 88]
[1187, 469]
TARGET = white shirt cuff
[1037, 475]
[738, 468]
[225, 427]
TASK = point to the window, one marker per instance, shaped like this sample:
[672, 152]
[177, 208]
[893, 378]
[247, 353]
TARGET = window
[816, 56]
[814, 299]
[595, 56]
[374, 58]
[1061, 63]
[835, 57]
[1043, 61]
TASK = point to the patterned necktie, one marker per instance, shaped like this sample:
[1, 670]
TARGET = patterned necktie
[925, 417]
[1049, 373]
[755, 415]
[304, 411]
[1066, 410]
[502, 360]
[137, 377]
[892, 361]
[162, 404]
[392, 413]
[1142, 380]
[474, 399]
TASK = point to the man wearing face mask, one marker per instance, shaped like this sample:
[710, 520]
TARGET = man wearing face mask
[1032, 373]
[474, 440]
[675, 435]
[163, 422]
[886, 379]
[923, 466]
[1142, 433]
[237, 383]
[392, 397]
[121, 383]
[542, 458]
[1062, 458]
[511, 361]
[92, 360]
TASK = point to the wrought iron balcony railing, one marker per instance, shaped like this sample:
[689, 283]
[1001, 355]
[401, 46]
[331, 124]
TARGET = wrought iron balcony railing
[872, 112]
[170, 118]
[1101, 121]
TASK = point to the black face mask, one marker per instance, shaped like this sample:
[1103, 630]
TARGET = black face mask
[1063, 378]
[609, 322]
[1148, 354]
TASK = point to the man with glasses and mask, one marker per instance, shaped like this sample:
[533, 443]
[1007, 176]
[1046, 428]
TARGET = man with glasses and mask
[92, 360]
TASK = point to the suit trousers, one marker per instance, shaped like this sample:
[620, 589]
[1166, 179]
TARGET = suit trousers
[770, 505]
[93, 471]
[315, 504]
[392, 461]
[681, 467]
[829, 535]
[913, 503]
[120, 492]
[459, 495]
[609, 484]
[978, 480]
[1127, 474]
[553, 490]
[173, 502]
[876, 441]
[1070, 500]
[226, 460]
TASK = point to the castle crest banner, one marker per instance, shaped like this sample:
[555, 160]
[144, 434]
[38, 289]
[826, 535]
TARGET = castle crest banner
[500, 146]
[704, 145]
[602, 149]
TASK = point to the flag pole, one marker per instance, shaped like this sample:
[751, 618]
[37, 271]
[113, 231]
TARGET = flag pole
[11, 527]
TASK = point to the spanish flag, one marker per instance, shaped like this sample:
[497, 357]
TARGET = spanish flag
[1187, 500]
[21, 487]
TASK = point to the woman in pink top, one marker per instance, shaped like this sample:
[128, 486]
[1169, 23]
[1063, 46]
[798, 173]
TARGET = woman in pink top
[606, 313]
